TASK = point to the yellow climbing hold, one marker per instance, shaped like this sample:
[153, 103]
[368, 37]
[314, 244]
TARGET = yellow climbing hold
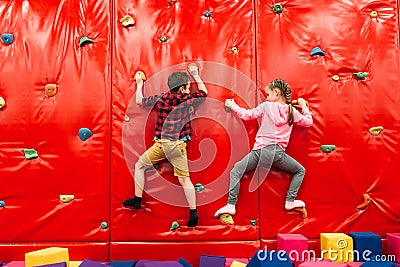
[373, 14]
[142, 75]
[335, 77]
[66, 198]
[234, 50]
[226, 218]
[375, 131]
[127, 21]
[2, 102]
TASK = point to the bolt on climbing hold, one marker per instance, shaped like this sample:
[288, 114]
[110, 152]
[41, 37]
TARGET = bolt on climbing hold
[317, 51]
[373, 14]
[30, 153]
[198, 187]
[50, 89]
[84, 134]
[7, 38]
[234, 50]
[191, 109]
[253, 222]
[172, 2]
[365, 204]
[66, 198]
[360, 75]
[375, 131]
[335, 77]
[104, 225]
[328, 148]
[127, 118]
[140, 74]
[174, 225]
[278, 8]
[2, 203]
[163, 39]
[207, 14]
[84, 40]
[2, 102]
[155, 166]
[226, 218]
[127, 21]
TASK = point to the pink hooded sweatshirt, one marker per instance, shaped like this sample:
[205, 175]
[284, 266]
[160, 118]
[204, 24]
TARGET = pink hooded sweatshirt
[273, 120]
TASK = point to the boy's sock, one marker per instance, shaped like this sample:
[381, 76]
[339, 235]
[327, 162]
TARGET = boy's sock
[135, 202]
[193, 218]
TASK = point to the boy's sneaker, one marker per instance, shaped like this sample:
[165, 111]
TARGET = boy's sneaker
[289, 205]
[229, 209]
[135, 203]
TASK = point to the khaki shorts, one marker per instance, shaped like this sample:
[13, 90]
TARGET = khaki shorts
[173, 151]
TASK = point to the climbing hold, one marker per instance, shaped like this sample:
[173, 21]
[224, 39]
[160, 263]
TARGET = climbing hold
[104, 225]
[303, 211]
[155, 166]
[207, 14]
[2, 203]
[365, 204]
[373, 14]
[295, 102]
[234, 50]
[84, 133]
[228, 109]
[172, 2]
[226, 218]
[317, 51]
[278, 8]
[375, 131]
[328, 148]
[127, 21]
[140, 74]
[84, 40]
[174, 225]
[2, 102]
[50, 89]
[335, 77]
[127, 118]
[163, 39]
[192, 66]
[30, 153]
[198, 187]
[7, 38]
[66, 198]
[191, 109]
[360, 75]
[253, 222]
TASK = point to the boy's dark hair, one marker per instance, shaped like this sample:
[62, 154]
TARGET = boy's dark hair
[176, 80]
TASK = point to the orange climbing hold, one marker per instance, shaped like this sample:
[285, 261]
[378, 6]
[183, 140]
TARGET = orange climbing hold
[50, 90]
[303, 211]
[365, 204]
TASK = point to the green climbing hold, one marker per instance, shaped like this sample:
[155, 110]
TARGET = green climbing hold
[360, 75]
[278, 8]
[175, 225]
[253, 222]
[104, 225]
[328, 148]
[198, 187]
[163, 39]
[30, 153]
[85, 39]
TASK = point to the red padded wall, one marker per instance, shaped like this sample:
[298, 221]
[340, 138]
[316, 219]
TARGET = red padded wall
[96, 90]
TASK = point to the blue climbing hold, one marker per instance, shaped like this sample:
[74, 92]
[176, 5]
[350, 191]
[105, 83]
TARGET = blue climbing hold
[84, 134]
[317, 51]
[7, 38]
[2, 203]
[207, 14]
[84, 40]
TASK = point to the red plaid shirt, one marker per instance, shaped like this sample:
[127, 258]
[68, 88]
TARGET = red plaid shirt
[173, 113]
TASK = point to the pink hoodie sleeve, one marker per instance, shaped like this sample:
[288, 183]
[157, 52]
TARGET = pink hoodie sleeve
[304, 118]
[247, 114]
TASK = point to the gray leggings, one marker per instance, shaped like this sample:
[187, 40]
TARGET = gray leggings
[268, 156]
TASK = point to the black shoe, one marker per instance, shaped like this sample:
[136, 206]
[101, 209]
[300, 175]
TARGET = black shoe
[193, 218]
[135, 203]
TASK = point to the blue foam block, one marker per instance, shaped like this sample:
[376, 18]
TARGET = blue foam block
[90, 263]
[211, 261]
[184, 262]
[122, 263]
[270, 258]
[367, 245]
[378, 264]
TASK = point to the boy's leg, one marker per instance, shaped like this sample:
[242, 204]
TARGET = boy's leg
[248, 163]
[289, 164]
[190, 194]
[152, 156]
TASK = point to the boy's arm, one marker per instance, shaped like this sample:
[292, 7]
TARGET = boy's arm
[194, 71]
[139, 88]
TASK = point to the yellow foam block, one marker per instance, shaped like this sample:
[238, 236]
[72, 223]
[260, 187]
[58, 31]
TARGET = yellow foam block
[337, 247]
[74, 263]
[47, 256]
[238, 264]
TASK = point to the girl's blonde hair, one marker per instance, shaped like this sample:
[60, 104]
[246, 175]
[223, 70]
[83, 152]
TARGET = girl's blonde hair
[287, 93]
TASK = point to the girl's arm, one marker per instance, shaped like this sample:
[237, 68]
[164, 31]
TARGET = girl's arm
[303, 118]
[244, 114]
